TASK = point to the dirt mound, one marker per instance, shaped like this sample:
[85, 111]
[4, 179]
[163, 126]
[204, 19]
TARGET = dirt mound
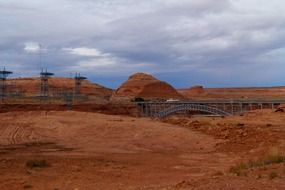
[31, 87]
[240, 133]
[145, 86]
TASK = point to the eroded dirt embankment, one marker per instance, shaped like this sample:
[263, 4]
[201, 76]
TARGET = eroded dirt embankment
[257, 129]
[111, 108]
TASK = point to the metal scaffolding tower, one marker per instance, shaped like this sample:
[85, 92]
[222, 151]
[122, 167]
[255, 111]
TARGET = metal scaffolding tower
[44, 90]
[3, 77]
[68, 99]
[78, 79]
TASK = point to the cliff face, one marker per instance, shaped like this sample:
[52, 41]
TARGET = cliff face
[145, 86]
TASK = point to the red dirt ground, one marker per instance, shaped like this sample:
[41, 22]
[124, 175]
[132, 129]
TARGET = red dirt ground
[95, 151]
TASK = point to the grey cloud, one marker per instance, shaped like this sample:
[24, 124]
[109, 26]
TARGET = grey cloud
[209, 37]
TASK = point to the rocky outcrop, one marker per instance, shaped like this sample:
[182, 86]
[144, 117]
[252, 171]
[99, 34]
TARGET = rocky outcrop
[145, 86]
[193, 91]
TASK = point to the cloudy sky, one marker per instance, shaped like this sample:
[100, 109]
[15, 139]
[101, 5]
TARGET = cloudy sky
[213, 43]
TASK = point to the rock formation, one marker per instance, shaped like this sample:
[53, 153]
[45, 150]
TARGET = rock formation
[145, 86]
[193, 91]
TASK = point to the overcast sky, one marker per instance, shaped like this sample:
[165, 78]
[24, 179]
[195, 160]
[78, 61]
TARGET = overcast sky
[213, 43]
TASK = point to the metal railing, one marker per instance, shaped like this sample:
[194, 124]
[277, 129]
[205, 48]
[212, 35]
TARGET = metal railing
[219, 107]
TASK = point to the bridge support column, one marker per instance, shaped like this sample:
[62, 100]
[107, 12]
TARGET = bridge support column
[143, 109]
[146, 110]
[140, 108]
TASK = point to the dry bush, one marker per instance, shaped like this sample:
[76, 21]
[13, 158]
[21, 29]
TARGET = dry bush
[238, 169]
[36, 163]
[273, 157]
[240, 124]
[27, 186]
[273, 175]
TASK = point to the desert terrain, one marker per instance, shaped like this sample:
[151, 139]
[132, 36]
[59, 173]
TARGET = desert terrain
[80, 150]
[101, 143]
[142, 95]
[253, 93]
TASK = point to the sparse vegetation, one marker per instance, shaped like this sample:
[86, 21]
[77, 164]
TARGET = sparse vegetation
[259, 176]
[240, 124]
[36, 163]
[27, 186]
[273, 175]
[274, 157]
[238, 169]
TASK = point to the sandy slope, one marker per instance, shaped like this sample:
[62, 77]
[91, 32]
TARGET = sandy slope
[128, 151]
[95, 132]
[95, 151]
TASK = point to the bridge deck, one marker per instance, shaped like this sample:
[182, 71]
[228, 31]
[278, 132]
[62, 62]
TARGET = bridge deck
[219, 107]
[215, 102]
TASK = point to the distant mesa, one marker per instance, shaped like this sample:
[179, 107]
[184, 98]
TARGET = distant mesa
[194, 91]
[145, 86]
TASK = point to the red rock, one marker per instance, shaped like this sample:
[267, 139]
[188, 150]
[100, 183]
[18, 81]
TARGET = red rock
[145, 86]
